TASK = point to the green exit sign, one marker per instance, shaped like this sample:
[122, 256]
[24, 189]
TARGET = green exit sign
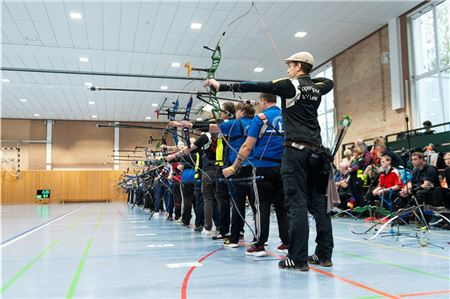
[42, 194]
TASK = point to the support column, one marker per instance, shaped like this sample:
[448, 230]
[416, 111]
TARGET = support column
[116, 147]
[48, 153]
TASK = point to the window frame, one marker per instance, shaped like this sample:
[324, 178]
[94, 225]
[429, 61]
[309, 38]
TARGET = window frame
[438, 70]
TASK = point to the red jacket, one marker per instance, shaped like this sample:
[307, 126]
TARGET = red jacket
[390, 179]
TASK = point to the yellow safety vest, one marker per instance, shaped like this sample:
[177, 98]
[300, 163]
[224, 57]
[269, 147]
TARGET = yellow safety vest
[219, 152]
[197, 164]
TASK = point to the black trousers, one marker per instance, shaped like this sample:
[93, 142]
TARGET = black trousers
[210, 207]
[177, 199]
[441, 197]
[188, 200]
[305, 190]
[223, 200]
[239, 191]
[270, 191]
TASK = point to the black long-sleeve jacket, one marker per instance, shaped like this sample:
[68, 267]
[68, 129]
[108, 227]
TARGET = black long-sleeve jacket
[300, 99]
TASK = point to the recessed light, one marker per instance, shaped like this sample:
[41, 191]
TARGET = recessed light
[84, 59]
[199, 119]
[91, 103]
[4, 80]
[176, 64]
[196, 26]
[148, 117]
[94, 116]
[36, 115]
[154, 105]
[301, 34]
[164, 87]
[88, 84]
[23, 100]
[75, 15]
[258, 69]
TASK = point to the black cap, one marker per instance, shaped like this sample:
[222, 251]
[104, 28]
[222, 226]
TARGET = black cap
[426, 123]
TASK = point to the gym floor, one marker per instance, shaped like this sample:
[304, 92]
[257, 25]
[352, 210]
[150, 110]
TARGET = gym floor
[108, 250]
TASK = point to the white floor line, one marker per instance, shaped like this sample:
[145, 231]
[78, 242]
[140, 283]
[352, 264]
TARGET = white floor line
[21, 236]
[181, 265]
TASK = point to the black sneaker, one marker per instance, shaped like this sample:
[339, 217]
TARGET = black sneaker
[289, 264]
[198, 228]
[220, 237]
[314, 259]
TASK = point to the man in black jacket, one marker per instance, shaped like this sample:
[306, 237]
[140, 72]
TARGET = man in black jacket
[304, 180]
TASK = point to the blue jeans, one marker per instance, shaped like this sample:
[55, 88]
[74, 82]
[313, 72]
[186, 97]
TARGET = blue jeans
[160, 190]
[168, 196]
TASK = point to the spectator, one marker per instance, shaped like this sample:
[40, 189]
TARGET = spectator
[427, 125]
[347, 156]
[384, 150]
[441, 194]
[342, 184]
[424, 179]
[389, 183]
[357, 178]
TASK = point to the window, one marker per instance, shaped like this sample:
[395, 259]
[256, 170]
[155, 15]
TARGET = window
[326, 110]
[430, 35]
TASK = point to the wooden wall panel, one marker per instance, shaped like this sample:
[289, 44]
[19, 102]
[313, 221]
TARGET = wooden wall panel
[64, 185]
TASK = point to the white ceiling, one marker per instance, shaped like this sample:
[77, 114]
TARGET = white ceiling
[143, 37]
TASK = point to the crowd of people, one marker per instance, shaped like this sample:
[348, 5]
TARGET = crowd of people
[380, 176]
[271, 159]
[276, 159]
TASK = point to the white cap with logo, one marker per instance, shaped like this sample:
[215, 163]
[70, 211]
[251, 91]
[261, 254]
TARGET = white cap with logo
[305, 57]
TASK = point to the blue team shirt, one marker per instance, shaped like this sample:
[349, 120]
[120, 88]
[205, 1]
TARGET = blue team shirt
[270, 146]
[237, 134]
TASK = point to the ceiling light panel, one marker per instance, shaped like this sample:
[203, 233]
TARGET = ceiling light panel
[301, 34]
[196, 26]
[75, 15]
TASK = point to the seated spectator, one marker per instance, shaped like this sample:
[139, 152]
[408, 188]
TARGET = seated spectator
[384, 150]
[361, 144]
[431, 157]
[423, 181]
[373, 169]
[341, 178]
[427, 125]
[389, 184]
[441, 194]
[365, 148]
[357, 178]
[347, 156]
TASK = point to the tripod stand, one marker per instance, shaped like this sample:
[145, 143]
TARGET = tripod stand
[421, 238]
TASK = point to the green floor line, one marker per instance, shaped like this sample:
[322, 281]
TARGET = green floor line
[78, 221]
[395, 265]
[99, 219]
[77, 275]
[27, 267]
[393, 247]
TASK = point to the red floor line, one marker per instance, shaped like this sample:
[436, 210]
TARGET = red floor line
[354, 283]
[425, 293]
[189, 272]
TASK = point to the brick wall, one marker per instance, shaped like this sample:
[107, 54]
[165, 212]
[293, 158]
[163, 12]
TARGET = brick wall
[362, 88]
